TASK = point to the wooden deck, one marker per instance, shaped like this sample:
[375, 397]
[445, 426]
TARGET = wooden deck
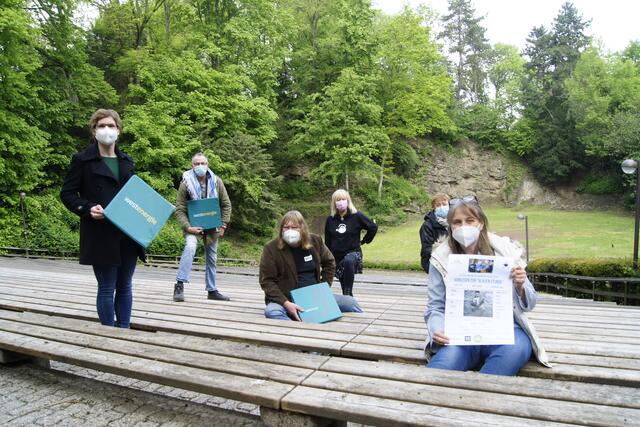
[595, 348]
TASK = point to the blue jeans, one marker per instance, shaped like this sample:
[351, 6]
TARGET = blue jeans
[211, 257]
[116, 280]
[491, 359]
[347, 305]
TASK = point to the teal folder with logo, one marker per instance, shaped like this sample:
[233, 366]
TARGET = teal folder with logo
[319, 304]
[139, 211]
[204, 213]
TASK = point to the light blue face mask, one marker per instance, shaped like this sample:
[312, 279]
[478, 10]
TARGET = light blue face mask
[442, 211]
[200, 170]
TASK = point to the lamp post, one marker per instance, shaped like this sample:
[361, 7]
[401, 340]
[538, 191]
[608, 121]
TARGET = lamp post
[525, 218]
[629, 167]
[23, 196]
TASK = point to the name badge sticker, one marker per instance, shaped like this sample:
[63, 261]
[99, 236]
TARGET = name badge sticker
[308, 258]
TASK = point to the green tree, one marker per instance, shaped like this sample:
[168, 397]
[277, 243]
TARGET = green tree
[325, 38]
[23, 145]
[415, 89]
[505, 73]
[248, 174]
[604, 99]
[491, 123]
[557, 151]
[179, 106]
[69, 88]
[344, 130]
[464, 35]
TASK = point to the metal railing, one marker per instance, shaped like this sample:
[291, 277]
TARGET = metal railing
[152, 259]
[621, 290]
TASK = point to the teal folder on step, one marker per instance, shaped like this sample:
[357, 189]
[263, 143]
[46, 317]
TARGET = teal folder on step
[318, 302]
[139, 211]
[204, 213]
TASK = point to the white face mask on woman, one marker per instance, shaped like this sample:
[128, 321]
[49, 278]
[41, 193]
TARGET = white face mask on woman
[106, 135]
[292, 237]
[466, 235]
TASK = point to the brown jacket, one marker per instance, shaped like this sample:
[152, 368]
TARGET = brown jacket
[278, 275]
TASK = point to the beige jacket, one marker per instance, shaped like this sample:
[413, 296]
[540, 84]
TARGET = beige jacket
[504, 247]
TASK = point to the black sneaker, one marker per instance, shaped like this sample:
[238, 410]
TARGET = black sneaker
[178, 292]
[217, 296]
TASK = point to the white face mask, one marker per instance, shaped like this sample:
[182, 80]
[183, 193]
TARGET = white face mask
[292, 237]
[466, 235]
[106, 135]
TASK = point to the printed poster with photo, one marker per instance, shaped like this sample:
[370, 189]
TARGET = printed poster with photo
[478, 308]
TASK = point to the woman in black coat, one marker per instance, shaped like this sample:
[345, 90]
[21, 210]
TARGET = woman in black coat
[94, 178]
[342, 233]
[433, 228]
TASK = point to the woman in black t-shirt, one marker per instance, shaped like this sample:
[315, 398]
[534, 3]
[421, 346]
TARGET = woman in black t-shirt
[342, 236]
[294, 259]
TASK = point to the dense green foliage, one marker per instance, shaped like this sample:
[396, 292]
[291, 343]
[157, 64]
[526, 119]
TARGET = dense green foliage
[590, 267]
[294, 98]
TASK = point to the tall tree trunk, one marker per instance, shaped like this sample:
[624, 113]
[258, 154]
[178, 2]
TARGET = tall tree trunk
[167, 22]
[381, 178]
[346, 180]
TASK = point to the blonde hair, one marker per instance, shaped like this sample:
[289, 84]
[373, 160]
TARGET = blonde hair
[473, 209]
[439, 198]
[103, 113]
[296, 218]
[339, 195]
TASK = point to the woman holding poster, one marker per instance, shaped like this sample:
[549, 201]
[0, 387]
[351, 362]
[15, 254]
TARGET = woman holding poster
[468, 234]
[94, 178]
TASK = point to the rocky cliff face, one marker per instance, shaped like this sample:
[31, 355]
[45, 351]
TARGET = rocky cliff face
[468, 169]
[494, 179]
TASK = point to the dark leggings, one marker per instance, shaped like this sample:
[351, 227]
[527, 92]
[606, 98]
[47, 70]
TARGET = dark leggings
[349, 272]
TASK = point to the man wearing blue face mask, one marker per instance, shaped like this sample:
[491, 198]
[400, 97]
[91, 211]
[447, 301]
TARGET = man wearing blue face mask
[433, 228]
[200, 182]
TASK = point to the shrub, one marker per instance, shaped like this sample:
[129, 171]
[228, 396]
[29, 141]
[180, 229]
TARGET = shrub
[591, 267]
[299, 188]
[397, 192]
[49, 224]
[170, 240]
[601, 183]
[385, 265]
[405, 159]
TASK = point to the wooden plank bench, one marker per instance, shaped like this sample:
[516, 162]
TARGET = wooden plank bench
[617, 364]
[389, 330]
[301, 388]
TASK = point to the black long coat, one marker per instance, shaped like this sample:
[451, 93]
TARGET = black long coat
[89, 182]
[430, 232]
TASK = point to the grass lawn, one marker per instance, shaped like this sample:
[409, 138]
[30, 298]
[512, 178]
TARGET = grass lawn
[552, 233]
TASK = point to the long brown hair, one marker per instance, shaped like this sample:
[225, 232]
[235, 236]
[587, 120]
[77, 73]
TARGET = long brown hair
[296, 218]
[473, 209]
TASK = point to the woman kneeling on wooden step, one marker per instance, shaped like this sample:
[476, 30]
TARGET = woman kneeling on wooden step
[295, 259]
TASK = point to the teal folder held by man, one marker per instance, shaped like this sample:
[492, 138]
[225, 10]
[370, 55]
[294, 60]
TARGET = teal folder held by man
[139, 211]
[204, 213]
[318, 302]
